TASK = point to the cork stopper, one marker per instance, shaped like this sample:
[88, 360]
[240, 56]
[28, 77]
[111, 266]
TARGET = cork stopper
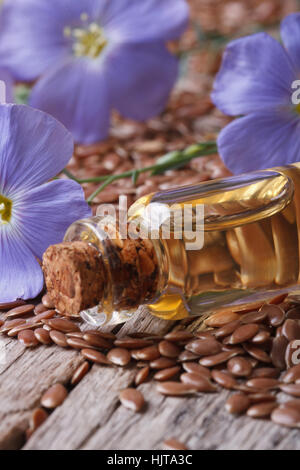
[75, 276]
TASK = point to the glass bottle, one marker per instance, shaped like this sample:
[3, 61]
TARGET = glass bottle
[222, 243]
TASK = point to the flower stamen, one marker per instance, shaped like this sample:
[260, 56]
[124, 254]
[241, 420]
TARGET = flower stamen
[5, 209]
[89, 40]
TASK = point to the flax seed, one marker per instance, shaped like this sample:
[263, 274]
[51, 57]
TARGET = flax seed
[199, 382]
[289, 417]
[261, 397]
[28, 325]
[54, 397]
[237, 403]
[257, 353]
[80, 372]
[19, 311]
[221, 318]
[180, 335]
[37, 418]
[293, 314]
[204, 347]
[239, 366]
[119, 356]
[226, 330]
[166, 374]
[254, 317]
[224, 379]
[278, 351]
[291, 329]
[168, 349]
[175, 388]
[264, 383]
[94, 356]
[211, 361]
[60, 324]
[196, 369]
[27, 338]
[43, 316]
[244, 333]
[40, 308]
[10, 324]
[58, 338]
[291, 389]
[75, 334]
[132, 399]
[78, 343]
[132, 343]
[261, 410]
[289, 354]
[10, 305]
[187, 356]
[261, 337]
[292, 374]
[173, 444]
[42, 336]
[275, 314]
[267, 372]
[279, 298]
[97, 341]
[108, 336]
[291, 404]
[162, 363]
[203, 335]
[47, 302]
[142, 375]
[149, 353]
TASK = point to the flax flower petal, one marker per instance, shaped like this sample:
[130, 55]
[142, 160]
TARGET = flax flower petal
[34, 147]
[77, 93]
[256, 75]
[43, 214]
[290, 33]
[260, 140]
[148, 73]
[146, 20]
[20, 273]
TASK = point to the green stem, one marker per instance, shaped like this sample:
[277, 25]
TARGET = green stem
[169, 161]
[109, 180]
[70, 175]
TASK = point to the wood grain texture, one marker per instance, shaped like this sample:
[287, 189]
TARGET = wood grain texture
[24, 376]
[93, 418]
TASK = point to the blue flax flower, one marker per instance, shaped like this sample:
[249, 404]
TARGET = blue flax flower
[255, 81]
[93, 56]
[34, 214]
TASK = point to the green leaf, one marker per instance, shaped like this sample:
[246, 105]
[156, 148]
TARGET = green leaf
[169, 161]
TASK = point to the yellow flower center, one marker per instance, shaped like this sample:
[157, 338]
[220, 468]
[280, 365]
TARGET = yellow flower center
[297, 108]
[89, 41]
[5, 209]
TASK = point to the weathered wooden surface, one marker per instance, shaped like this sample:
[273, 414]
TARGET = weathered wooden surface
[92, 417]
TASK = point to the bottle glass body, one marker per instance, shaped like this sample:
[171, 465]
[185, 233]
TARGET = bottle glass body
[227, 242]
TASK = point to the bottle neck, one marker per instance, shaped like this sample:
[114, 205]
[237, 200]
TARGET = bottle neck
[134, 273]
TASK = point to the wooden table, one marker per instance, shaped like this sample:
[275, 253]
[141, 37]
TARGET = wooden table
[92, 418]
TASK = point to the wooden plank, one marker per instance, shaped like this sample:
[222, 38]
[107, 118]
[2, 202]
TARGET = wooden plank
[92, 417]
[24, 376]
[200, 422]
[93, 402]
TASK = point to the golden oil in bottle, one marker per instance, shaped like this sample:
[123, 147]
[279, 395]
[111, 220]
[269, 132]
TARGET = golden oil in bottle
[238, 242]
